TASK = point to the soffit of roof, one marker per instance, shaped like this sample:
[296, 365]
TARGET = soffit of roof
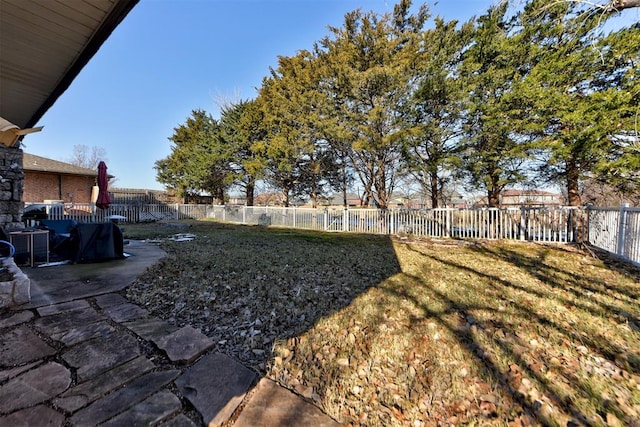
[43, 46]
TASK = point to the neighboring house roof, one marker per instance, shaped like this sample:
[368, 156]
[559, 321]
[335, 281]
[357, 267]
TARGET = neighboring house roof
[44, 46]
[337, 199]
[35, 163]
[527, 193]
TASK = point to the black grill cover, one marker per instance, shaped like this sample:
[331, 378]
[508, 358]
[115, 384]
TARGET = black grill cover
[97, 242]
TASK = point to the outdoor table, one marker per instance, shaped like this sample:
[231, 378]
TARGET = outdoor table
[35, 243]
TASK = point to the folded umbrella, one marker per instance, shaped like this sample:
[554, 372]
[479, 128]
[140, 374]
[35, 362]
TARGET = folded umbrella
[103, 200]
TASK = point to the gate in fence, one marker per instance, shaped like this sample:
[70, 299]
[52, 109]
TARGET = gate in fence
[616, 230]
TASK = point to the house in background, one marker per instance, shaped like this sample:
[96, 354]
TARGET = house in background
[337, 200]
[527, 198]
[237, 200]
[541, 198]
[269, 199]
[47, 180]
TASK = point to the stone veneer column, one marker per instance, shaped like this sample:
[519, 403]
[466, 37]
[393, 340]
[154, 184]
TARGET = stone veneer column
[16, 291]
[11, 188]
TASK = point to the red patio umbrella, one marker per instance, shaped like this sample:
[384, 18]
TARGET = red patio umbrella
[103, 200]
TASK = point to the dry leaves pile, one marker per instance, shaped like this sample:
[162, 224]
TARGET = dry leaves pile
[378, 331]
[247, 287]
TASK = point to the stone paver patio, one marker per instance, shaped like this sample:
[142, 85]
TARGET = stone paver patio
[82, 354]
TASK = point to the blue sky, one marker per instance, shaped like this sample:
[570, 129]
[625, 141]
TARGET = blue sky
[169, 57]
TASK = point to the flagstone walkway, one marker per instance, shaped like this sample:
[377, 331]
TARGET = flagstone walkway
[81, 354]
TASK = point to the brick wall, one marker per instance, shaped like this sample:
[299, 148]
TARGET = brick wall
[40, 186]
[11, 185]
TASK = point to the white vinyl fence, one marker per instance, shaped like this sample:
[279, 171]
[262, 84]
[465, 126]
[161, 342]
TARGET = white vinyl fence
[616, 230]
[535, 224]
[88, 212]
[560, 225]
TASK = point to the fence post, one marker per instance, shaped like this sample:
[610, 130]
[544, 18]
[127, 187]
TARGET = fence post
[622, 227]
[326, 219]
[345, 220]
[177, 212]
[522, 223]
[447, 222]
[588, 211]
[294, 216]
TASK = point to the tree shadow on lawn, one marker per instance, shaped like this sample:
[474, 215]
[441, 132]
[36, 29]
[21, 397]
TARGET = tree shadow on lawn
[617, 264]
[551, 334]
[595, 259]
[374, 336]
[248, 286]
[593, 289]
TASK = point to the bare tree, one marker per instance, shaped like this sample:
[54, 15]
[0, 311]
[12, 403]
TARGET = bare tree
[87, 157]
[600, 193]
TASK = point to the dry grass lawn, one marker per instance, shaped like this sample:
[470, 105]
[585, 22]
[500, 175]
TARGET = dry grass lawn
[381, 331]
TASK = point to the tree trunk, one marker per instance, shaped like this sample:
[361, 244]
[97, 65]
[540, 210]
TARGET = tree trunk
[493, 193]
[433, 178]
[344, 184]
[220, 195]
[366, 196]
[314, 196]
[576, 222]
[493, 198]
[380, 184]
[382, 201]
[250, 191]
[573, 191]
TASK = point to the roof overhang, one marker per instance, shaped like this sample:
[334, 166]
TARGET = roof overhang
[43, 46]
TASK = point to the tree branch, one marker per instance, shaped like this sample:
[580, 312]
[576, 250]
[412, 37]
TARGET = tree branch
[618, 5]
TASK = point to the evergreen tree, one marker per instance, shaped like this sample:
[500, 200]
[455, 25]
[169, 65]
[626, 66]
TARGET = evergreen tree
[584, 92]
[288, 140]
[435, 111]
[493, 155]
[297, 157]
[240, 127]
[372, 66]
[198, 161]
